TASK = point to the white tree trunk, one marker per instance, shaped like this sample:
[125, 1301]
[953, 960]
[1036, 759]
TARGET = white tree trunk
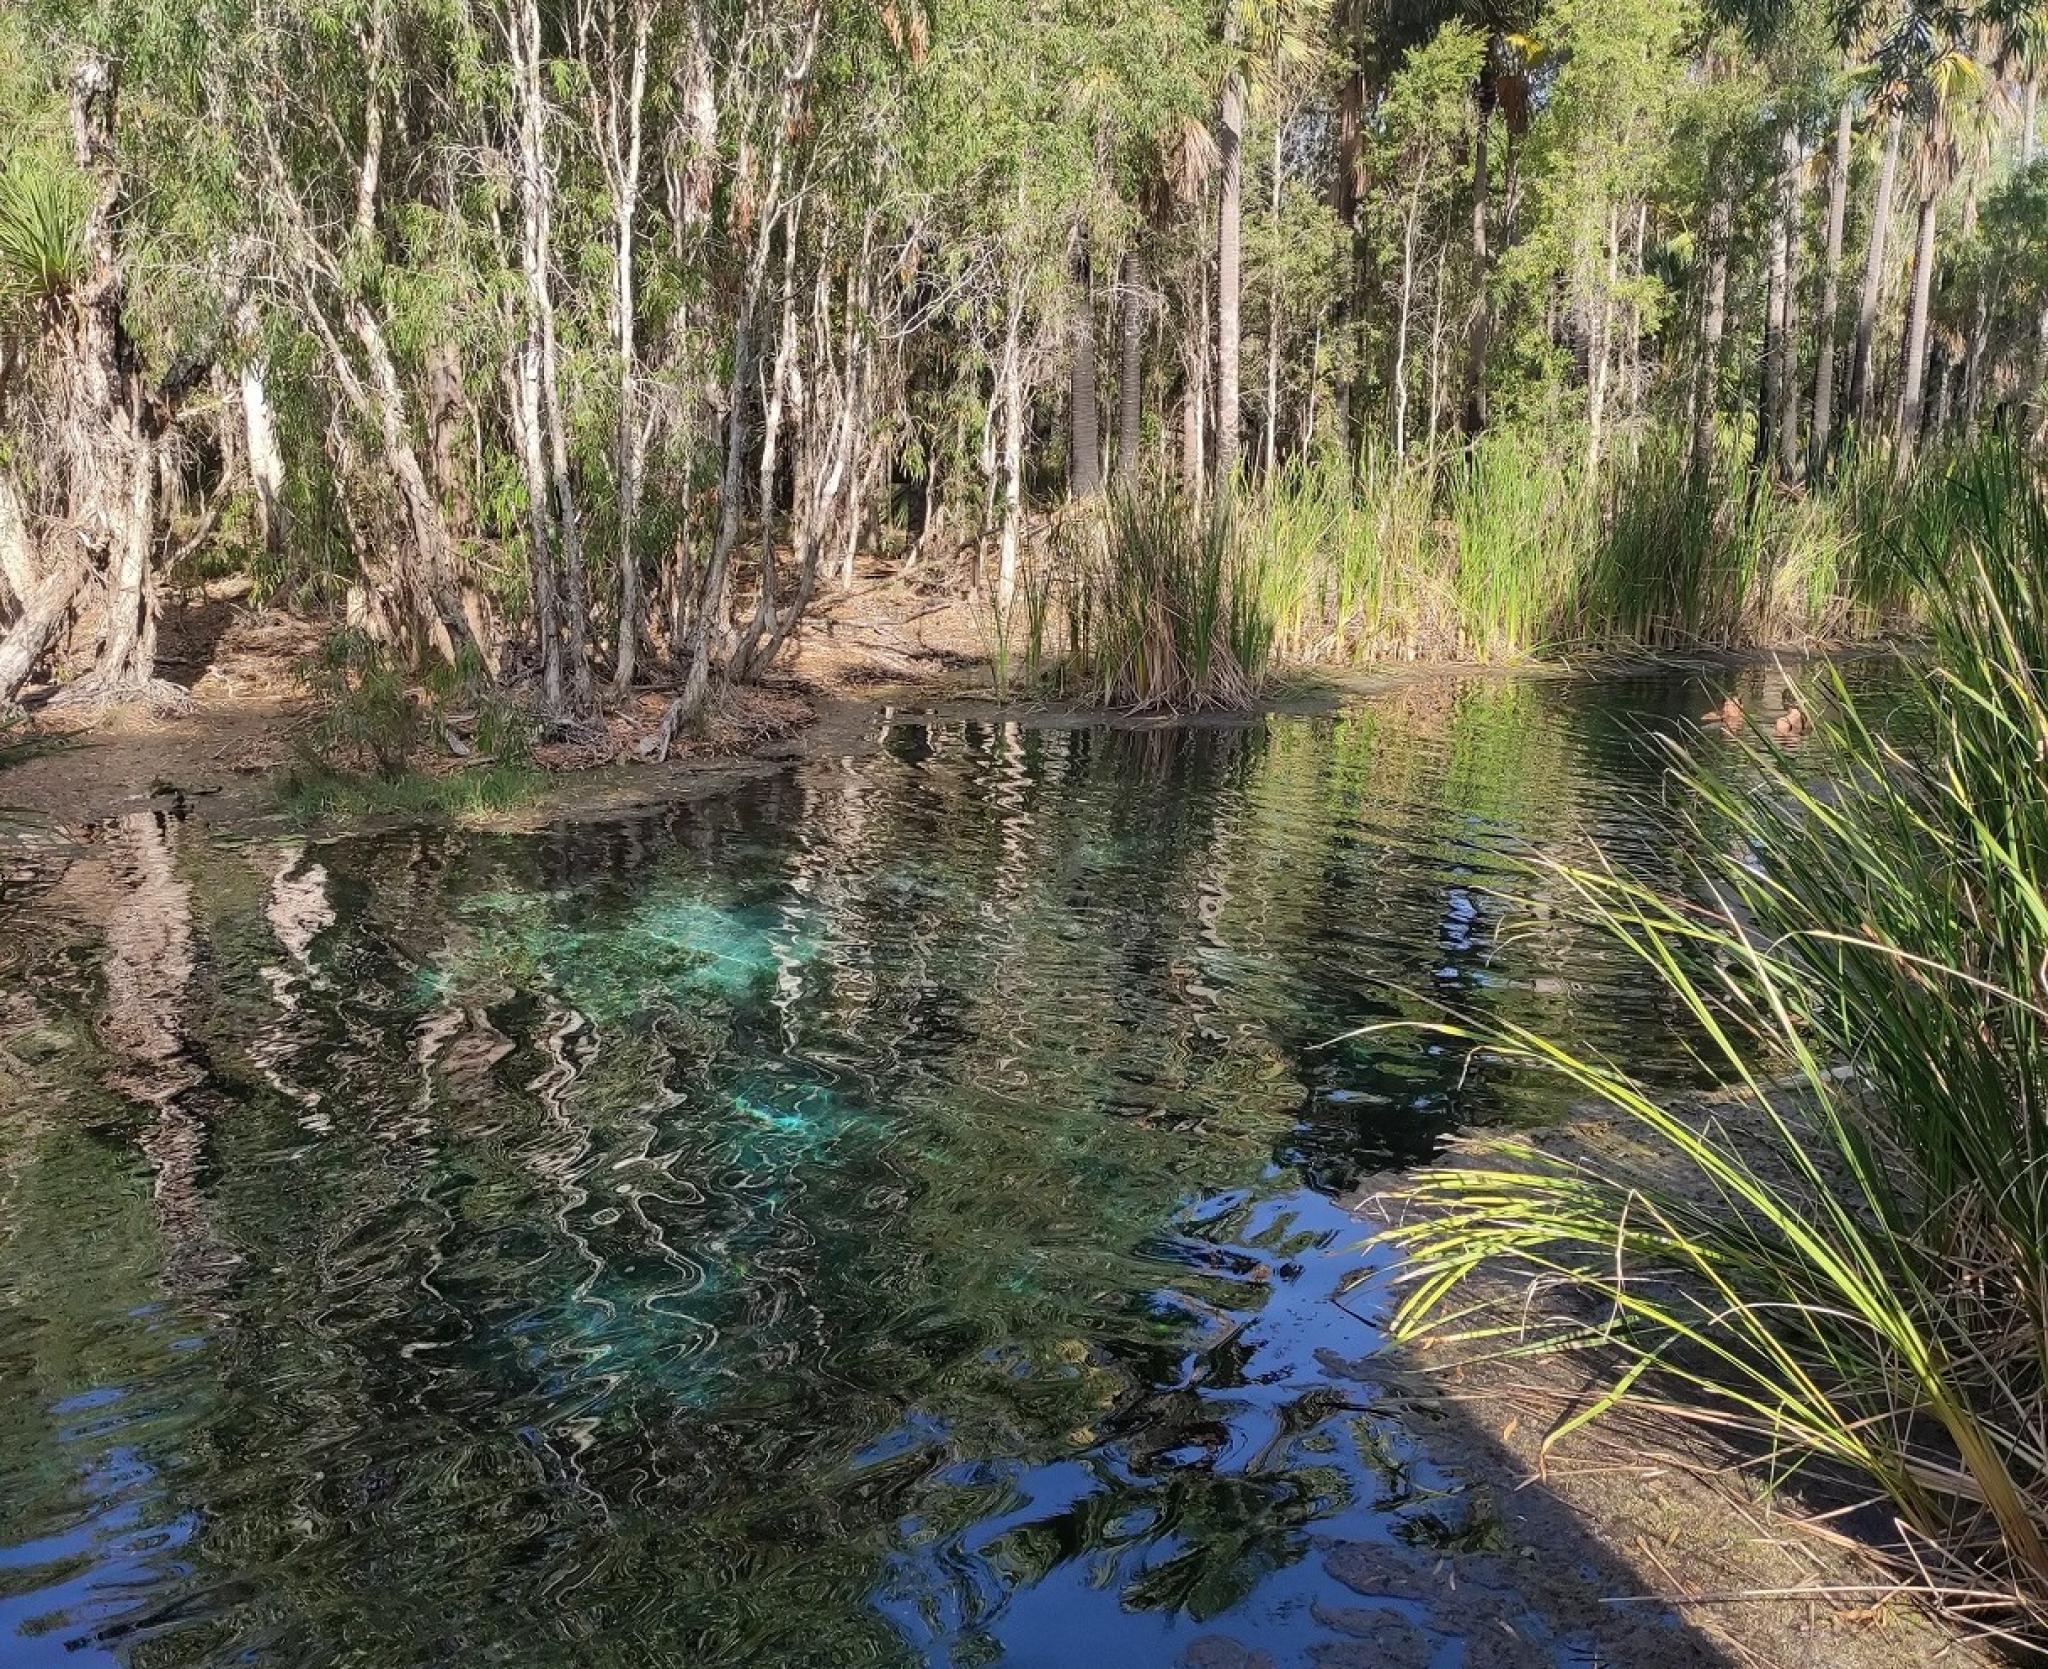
[626, 148]
[526, 428]
[1012, 393]
[18, 565]
[266, 461]
[1229, 274]
[537, 187]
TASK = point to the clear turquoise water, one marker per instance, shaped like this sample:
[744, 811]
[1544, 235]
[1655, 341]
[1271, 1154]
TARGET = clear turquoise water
[888, 1213]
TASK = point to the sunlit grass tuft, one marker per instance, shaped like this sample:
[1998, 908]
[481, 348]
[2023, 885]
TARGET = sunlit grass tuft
[313, 794]
[1176, 610]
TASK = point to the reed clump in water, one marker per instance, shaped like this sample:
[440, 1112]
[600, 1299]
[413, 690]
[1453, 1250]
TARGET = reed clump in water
[1510, 550]
[1514, 549]
[1166, 611]
[1850, 1268]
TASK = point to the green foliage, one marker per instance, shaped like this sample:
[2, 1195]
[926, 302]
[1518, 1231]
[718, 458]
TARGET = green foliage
[1175, 607]
[1521, 522]
[372, 715]
[1453, 218]
[1847, 1260]
[367, 709]
[42, 227]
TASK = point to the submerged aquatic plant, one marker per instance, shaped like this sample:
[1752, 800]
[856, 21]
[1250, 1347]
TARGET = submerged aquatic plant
[1843, 1260]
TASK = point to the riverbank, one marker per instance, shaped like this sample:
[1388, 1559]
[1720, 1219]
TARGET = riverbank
[244, 743]
[1682, 1526]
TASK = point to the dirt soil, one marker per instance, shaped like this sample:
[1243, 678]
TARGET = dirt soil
[249, 718]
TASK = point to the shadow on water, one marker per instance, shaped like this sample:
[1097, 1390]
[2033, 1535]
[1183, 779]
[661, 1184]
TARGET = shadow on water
[887, 1214]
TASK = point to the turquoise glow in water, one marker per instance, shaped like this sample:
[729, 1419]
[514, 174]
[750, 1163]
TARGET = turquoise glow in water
[891, 1213]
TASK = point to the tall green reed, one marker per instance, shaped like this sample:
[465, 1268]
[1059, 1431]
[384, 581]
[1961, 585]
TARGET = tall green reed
[1845, 1260]
[1504, 551]
[1178, 617]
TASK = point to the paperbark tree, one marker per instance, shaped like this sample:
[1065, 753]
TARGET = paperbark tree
[1830, 294]
[1860, 390]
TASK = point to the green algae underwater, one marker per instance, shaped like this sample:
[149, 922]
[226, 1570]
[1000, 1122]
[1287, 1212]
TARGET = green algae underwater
[893, 1212]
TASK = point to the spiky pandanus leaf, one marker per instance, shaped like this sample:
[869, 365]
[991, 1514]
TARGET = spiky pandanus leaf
[42, 234]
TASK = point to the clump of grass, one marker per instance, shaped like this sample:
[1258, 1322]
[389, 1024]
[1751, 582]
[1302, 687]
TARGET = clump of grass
[1669, 569]
[313, 794]
[1521, 517]
[362, 757]
[1850, 1268]
[1177, 611]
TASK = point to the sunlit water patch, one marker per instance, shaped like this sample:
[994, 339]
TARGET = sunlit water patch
[889, 1213]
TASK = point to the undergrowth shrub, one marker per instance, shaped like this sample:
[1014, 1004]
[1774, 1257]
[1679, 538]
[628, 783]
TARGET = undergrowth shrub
[376, 718]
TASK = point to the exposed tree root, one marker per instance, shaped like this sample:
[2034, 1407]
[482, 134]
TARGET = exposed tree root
[655, 745]
[93, 694]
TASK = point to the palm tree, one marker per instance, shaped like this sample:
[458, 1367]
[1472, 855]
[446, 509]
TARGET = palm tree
[1953, 80]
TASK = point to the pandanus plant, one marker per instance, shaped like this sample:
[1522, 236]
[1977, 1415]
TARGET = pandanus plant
[42, 248]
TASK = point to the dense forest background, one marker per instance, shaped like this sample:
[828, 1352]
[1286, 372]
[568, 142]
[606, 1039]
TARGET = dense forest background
[579, 345]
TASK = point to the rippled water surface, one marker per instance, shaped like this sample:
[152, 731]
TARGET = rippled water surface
[888, 1213]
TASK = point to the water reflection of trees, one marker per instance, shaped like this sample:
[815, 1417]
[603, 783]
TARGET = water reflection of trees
[658, 1228]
